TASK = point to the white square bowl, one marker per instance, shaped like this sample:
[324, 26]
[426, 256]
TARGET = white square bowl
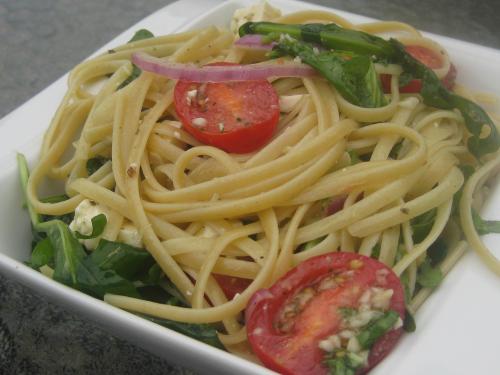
[457, 328]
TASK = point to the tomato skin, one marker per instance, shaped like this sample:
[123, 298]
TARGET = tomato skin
[430, 59]
[297, 351]
[231, 285]
[248, 111]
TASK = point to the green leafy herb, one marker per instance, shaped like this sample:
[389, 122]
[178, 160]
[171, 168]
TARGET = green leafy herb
[340, 366]
[127, 261]
[409, 324]
[354, 157]
[202, 332]
[310, 244]
[484, 134]
[376, 329]
[422, 225]
[429, 276]
[98, 224]
[42, 254]
[140, 35]
[437, 251]
[136, 72]
[72, 265]
[484, 226]
[94, 164]
[355, 78]
[376, 251]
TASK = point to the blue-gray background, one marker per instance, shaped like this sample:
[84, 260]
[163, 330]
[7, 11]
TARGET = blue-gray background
[42, 39]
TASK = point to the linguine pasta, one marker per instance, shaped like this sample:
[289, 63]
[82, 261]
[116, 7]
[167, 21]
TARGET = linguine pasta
[202, 211]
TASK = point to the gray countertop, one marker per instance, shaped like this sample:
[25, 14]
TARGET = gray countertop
[41, 40]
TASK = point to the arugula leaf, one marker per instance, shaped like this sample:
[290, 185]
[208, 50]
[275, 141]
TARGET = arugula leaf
[310, 244]
[355, 159]
[202, 332]
[429, 276]
[94, 164]
[484, 134]
[376, 251]
[354, 78]
[140, 35]
[42, 254]
[127, 261]
[72, 265]
[68, 251]
[484, 226]
[409, 324]
[97, 282]
[136, 72]
[422, 225]
[437, 251]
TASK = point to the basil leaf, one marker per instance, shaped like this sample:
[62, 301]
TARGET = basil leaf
[98, 224]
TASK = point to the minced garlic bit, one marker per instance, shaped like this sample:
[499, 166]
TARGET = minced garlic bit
[221, 127]
[372, 304]
[190, 95]
[199, 122]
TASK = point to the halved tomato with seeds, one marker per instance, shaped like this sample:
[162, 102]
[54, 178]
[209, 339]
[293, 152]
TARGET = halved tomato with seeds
[237, 117]
[331, 309]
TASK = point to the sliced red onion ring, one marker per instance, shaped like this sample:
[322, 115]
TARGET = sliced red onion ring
[225, 73]
[254, 41]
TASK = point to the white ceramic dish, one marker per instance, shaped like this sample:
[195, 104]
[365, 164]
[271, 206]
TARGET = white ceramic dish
[457, 328]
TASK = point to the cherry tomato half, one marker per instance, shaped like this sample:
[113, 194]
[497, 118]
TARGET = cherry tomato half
[237, 117]
[285, 332]
[430, 59]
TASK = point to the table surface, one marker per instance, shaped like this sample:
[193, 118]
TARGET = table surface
[42, 40]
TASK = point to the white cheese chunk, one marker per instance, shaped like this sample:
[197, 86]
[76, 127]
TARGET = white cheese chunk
[82, 222]
[130, 235]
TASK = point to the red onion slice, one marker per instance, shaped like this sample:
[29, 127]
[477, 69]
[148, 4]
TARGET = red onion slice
[254, 41]
[225, 73]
